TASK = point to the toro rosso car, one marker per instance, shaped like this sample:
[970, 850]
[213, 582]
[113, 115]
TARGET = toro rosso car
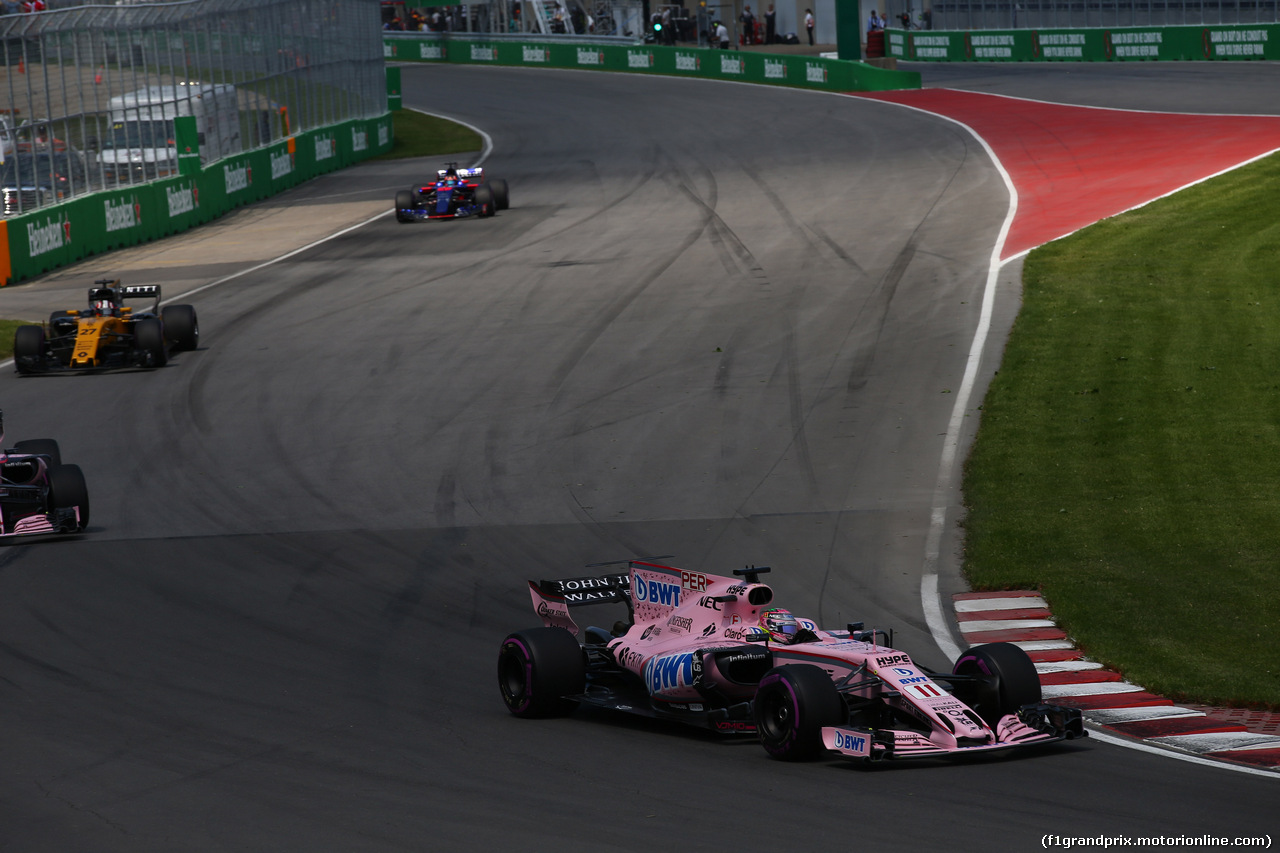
[454, 193]
[38, 494]
[713, 652]
[107, 334]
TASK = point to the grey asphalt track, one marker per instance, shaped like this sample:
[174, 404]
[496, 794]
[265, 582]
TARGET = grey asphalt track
[720, 322]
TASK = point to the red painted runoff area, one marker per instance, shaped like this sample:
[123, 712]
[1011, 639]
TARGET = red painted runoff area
[1073, 166]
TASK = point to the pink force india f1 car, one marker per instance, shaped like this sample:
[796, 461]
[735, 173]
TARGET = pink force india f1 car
[38, 494]
[713, 652]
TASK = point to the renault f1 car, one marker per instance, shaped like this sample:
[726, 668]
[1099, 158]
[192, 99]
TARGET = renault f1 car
[108, 334]
[455, 193]
[39, 494]
[694, 649]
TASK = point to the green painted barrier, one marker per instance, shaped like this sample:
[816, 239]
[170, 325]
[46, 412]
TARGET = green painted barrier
[38, 242]
[810, 72]
[1258, 41]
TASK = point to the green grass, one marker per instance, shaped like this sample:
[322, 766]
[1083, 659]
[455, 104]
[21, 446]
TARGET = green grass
[1128, 458]
[418, 135]
[7, 328]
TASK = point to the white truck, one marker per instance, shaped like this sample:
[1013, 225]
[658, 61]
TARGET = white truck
[141, 145]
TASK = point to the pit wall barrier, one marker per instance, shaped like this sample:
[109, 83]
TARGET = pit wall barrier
[1252, 41]
[808, 72]
[62, 234]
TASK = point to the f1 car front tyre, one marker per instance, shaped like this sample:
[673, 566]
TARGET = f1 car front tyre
[41, 447]
[792, 705]
[1007, 680]
[180, 326]
[148, 342]
[404, 201]
[67, 489]
[484, 199]
[500, 196]
[538, 669]
[28, 348]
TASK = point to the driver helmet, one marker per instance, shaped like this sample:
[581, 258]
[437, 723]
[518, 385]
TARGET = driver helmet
[781, 625]
[104, 301]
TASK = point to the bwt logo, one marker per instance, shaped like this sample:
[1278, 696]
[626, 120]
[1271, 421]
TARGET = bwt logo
[430, 51]
[853, 743]
[655, 592]
[639, 60]
[686, 62]
[667, 673]
[775, 70]
[359, 140]
[236, 178]
[181, 200]
[536, 54]
[121, 216]
[281, 165]
[326, 147]
[815, 73]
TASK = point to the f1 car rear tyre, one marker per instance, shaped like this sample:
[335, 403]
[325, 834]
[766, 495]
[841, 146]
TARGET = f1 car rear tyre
[41, 447]
[67, 489]
[1011, 680]
[792, 705]
[180, 326]
[28, 347]
[148, 340]
[537, 669]
[404, 201]
[500, 197]
[484, 198]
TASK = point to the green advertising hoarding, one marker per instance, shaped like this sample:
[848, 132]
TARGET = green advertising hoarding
[749, 67]
[1261, 41]
[34, 243]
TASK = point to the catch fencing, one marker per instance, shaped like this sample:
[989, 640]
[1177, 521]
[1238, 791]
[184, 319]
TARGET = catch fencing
[124, 123]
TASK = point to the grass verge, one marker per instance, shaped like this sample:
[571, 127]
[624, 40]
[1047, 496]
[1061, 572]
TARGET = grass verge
[420, 135]
[7, 328]
[1128, 458]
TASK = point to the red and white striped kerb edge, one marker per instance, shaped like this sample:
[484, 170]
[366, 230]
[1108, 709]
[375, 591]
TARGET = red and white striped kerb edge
[1067, 677]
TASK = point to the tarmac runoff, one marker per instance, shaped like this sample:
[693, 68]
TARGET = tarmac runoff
[1229, 735]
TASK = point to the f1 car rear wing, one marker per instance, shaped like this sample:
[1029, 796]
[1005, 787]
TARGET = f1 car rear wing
[553, 598]
[476, 173]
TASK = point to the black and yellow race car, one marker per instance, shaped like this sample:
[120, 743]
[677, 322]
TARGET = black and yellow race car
[108, 334]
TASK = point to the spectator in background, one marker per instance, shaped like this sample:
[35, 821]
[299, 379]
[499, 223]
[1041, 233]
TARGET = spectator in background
[808, 24]
[10, 7]
[770, 26]
[748, 25]
[722, 35]
[873, 22]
